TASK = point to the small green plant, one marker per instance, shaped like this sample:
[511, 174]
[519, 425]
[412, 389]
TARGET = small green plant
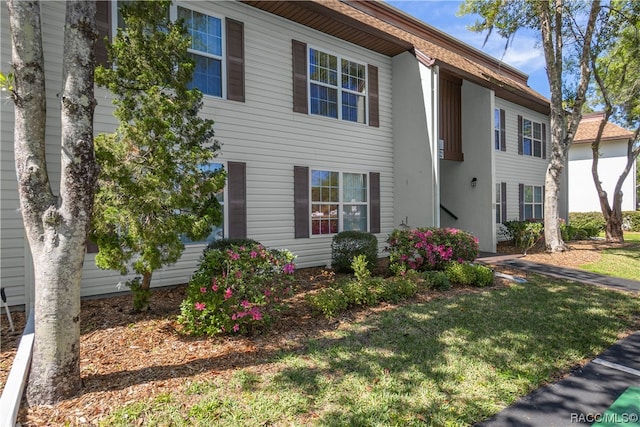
[437, 280]
[347, 245]
[469, 274]
[484, 276]
[141, 296]
[329, 301]
[460, 273]
[525, 234]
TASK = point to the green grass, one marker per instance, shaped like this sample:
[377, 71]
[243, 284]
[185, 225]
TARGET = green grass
[621, 262]
[454, 360]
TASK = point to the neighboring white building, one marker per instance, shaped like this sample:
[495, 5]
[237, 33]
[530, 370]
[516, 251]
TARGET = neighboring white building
[428, 131]
[583, 196]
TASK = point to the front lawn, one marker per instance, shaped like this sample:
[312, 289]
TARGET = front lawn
[623, 261]
[455, 359]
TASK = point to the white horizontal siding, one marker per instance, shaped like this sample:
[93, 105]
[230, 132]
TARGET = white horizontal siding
[513, 168]
[270, 138]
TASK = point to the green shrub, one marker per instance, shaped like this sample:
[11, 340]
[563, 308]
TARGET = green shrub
[460, 273]
[525, 234]
[591, 222]
[424, 249]
[363, 290]
[632, 218]
[484, 276]
[329, 301]
[469, 274]
[437, 280]
[236, 289]
[224, 244]
[570, 232]
[346, 245]
[396, 289]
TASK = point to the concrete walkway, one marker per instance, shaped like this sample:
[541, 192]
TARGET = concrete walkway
[580, 398]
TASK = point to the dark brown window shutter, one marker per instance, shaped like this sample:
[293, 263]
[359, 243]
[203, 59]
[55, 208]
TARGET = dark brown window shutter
[374, 202]
[235, 60]
[503, 131]
[544, 141]
[503, 201]
[521, 199]
[301, 201]
[237, 204]
[299, 55]
[520, 148]
[103, 27]
[374, 108]
[450, 122]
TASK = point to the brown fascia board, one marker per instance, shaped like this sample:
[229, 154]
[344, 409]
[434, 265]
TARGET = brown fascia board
[394, 16]
[308, 12]
[295, 11]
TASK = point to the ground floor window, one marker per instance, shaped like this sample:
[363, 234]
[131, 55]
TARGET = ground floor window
[217, 233]
[499, 219]
[532, 202]
[339, 202]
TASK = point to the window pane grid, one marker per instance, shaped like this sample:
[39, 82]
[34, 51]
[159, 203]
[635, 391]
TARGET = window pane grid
[339, 201]
[532, 138]
[533, 203]
[206, 50]
[337, 92]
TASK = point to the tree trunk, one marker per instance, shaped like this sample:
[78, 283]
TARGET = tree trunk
[56, 226]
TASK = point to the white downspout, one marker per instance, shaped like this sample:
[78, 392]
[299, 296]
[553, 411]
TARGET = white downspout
[435, 146]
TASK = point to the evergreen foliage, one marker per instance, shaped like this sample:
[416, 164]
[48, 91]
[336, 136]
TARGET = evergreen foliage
[154, 185]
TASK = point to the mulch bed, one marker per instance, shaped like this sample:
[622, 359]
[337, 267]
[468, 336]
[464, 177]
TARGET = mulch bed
[127, 357]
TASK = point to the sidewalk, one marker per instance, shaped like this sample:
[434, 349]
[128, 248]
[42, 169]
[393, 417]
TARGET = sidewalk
[580, 398]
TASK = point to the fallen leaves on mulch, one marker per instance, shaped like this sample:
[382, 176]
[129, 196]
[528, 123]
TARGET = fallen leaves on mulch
[129, 357]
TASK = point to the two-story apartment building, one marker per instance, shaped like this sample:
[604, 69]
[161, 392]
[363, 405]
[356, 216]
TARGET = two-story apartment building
[334, 115]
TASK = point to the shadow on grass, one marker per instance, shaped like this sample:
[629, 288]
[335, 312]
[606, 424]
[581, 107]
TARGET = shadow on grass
[455, 360]
[524, 335]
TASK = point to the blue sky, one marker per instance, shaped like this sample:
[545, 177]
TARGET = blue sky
[524, 53]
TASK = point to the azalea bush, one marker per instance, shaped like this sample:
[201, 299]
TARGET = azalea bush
[236, 289]
[424, 249]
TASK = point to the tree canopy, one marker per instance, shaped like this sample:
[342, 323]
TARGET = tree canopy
[154, 184]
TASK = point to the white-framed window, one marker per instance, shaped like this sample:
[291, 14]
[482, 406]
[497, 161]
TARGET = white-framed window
[207, 45]
[218, 232]
[531, 138]
[207, 50]
[337, 87]
[339, 202]
[533, 202]
[499, 219]
[498, 129]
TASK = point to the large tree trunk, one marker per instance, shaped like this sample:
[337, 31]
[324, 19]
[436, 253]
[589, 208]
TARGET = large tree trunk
[56, 226]
[563, 126]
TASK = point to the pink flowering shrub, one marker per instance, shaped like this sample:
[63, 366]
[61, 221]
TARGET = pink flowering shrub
[424, 249]
[236, 289]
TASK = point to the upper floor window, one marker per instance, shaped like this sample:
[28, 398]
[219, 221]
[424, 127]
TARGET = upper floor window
[217, 47]
[339, 202]
[531, 138]
[206, 49]
[499, 133]
[337, 87]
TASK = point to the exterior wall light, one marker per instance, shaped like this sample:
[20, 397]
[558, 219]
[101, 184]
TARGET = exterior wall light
[474, 181]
